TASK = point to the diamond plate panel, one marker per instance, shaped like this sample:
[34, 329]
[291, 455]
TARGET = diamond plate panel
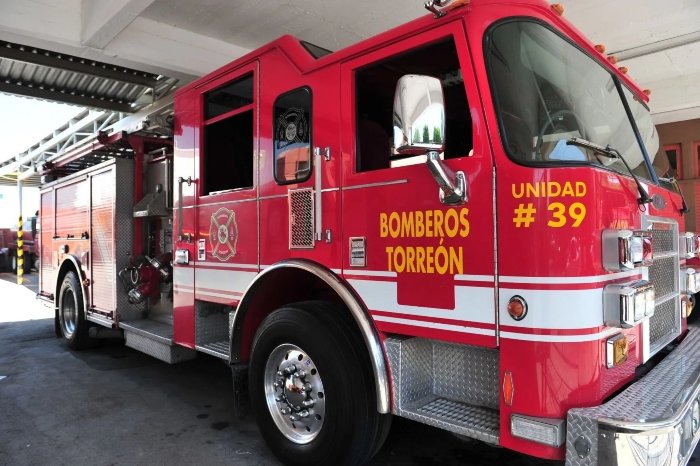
[654, 398]
[211, 322]
[663, 238]
[661, 274]
[301, 218]
[392, 347]
[415, 370]
[664, 325]
[450, 386]
[472, 421]
[466, 373]
[583, 429]
[162, 351]
[663, 322]
[220, 349]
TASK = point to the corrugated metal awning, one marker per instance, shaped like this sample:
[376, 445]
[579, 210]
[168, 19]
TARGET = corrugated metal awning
[47, 75]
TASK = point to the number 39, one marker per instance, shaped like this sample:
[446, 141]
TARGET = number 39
[577, 212]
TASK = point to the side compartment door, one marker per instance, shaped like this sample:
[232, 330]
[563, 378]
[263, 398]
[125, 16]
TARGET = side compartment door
[422, 268]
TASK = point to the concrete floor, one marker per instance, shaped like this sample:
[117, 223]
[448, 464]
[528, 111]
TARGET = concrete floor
[115, 406]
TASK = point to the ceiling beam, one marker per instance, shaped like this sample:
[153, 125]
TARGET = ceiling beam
[50, 59]
[66, 97]
[103, 20]
[658, 46]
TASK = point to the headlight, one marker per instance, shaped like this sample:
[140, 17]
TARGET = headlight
[692, 281]
[689, 245]
[627, 304]
[627, 249]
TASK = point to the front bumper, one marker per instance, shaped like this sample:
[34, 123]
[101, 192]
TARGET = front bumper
[654, 421]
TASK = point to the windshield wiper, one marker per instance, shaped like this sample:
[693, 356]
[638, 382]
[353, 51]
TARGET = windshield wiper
[674, 182]
[612, 153]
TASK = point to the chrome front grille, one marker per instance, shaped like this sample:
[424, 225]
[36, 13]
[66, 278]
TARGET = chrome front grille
[662, 275]
[664, 325]
[663, 321]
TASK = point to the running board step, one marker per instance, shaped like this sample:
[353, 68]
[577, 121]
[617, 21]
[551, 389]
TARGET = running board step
[219, 349]
[471, 421]
[155, 339]
[447, 385]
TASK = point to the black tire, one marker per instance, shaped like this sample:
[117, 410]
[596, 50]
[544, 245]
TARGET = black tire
[4, 263]
[28, 261]
[351, 430]
[71, 316]
[13, 262]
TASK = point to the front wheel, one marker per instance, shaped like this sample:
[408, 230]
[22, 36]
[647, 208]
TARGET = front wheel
[71, 315]
[312, 387]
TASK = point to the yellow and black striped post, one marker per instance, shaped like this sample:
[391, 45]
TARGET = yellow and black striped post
[20, 253]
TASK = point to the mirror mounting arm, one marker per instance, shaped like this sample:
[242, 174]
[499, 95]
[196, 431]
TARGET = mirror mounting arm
[453, 186]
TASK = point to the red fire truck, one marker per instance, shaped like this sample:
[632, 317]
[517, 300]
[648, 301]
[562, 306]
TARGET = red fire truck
[457, 221]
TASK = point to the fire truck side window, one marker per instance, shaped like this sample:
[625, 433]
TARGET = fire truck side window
[292, 123]
[228, 137]
[375, 85]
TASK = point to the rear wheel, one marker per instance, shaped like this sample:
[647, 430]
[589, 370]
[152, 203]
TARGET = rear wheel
[312, 388]
[71, 315]
[4, 262]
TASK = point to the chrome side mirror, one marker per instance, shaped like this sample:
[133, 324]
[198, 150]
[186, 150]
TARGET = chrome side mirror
[419, 129]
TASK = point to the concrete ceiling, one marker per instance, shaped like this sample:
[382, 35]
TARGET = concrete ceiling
[186, 39]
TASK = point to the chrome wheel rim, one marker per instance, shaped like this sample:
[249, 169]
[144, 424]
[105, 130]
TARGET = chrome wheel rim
[294, 393]
[68, 309]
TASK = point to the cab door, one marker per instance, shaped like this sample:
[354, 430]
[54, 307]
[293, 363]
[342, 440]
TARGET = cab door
[422, 268]
[226, 208]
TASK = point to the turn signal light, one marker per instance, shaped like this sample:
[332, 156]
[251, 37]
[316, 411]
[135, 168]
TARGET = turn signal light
[612, 59]
[600, 48]
[687, 305]
[617, 348]
[647, 92]
[626, 249]
[623, 69]
[558, 9]
[517, 307]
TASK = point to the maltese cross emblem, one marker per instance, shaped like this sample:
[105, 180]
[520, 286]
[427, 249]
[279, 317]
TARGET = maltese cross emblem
[223, 234]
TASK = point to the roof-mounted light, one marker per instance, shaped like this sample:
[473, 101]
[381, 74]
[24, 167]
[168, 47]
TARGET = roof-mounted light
[440, 8]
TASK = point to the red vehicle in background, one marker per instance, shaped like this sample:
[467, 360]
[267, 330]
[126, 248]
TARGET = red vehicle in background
[8, 246]
[458, 221]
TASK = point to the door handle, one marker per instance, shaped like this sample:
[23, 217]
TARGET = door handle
[180, 235]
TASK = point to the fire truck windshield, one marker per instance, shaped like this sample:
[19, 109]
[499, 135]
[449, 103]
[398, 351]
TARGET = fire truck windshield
[546, 91]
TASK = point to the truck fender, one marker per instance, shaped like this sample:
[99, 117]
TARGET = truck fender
[347, 297]
[70, 263]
